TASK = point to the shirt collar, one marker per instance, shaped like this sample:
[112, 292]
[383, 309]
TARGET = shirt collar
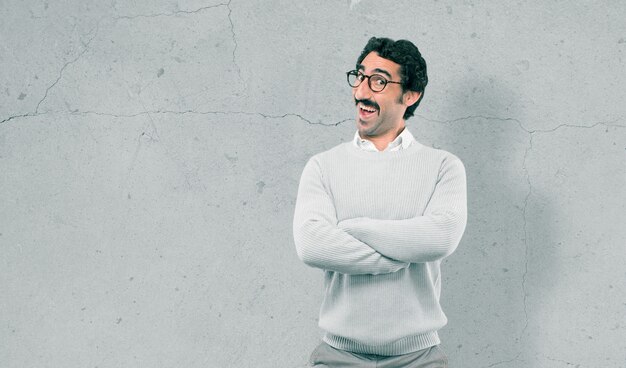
[402, 141]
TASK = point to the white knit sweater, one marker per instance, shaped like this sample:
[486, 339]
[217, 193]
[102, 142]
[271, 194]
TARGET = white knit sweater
[379, 224]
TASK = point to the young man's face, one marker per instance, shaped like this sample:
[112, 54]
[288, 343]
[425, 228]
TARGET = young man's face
[379, 112]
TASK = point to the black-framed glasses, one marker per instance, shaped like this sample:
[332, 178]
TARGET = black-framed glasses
[376, 82]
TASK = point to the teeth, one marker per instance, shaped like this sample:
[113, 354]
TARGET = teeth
[363, 107]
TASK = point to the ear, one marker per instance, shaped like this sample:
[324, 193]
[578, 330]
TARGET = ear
[410, 97]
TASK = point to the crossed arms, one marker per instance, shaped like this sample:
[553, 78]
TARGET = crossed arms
[372, 246]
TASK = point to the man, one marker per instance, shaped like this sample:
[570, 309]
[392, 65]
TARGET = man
[378, 214]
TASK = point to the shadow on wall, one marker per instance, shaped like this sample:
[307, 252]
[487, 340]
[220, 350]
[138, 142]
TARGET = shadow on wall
[486, 281]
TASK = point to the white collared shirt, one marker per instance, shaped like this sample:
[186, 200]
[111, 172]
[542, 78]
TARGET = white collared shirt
[402, 141]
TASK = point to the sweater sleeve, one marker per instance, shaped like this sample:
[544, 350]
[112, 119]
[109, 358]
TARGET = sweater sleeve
[426, 238]
[320, 243]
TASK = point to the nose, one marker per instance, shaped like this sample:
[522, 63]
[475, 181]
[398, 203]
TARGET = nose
[363, 91]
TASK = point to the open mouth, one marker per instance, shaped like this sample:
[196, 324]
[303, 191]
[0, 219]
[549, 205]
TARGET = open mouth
[366, 111]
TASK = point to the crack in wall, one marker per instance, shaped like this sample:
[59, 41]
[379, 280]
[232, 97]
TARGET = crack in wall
[230, 20]
[610, 123]
[504, 361]
[604, 123]
[18, 116]
[526, 249]
[183, 112]
[170, 14]
[86, 45]
[469, 117]
[576, 365]
[232, 30]
[531, 134]
[36, 112]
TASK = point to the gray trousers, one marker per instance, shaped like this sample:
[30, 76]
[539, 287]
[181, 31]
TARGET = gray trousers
[325, 356]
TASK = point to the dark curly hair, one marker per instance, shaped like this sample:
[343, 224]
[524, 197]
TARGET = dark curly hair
[412, 65]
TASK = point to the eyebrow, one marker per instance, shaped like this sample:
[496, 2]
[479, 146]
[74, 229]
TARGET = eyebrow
[377, 70]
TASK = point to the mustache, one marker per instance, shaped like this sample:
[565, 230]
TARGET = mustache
[367, 103]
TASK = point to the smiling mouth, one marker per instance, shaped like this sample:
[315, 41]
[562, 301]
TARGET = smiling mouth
[366, 111]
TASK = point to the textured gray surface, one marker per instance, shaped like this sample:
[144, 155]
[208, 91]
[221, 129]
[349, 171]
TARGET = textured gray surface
[150, 155]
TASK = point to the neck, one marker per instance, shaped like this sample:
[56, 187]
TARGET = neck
[382, 141]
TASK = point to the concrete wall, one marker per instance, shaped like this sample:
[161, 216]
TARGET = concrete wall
[150, 154]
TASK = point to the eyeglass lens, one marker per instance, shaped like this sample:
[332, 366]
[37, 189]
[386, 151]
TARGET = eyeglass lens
[376, 82]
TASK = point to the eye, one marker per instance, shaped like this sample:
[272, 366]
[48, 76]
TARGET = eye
[360, 76]
[378, 80]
